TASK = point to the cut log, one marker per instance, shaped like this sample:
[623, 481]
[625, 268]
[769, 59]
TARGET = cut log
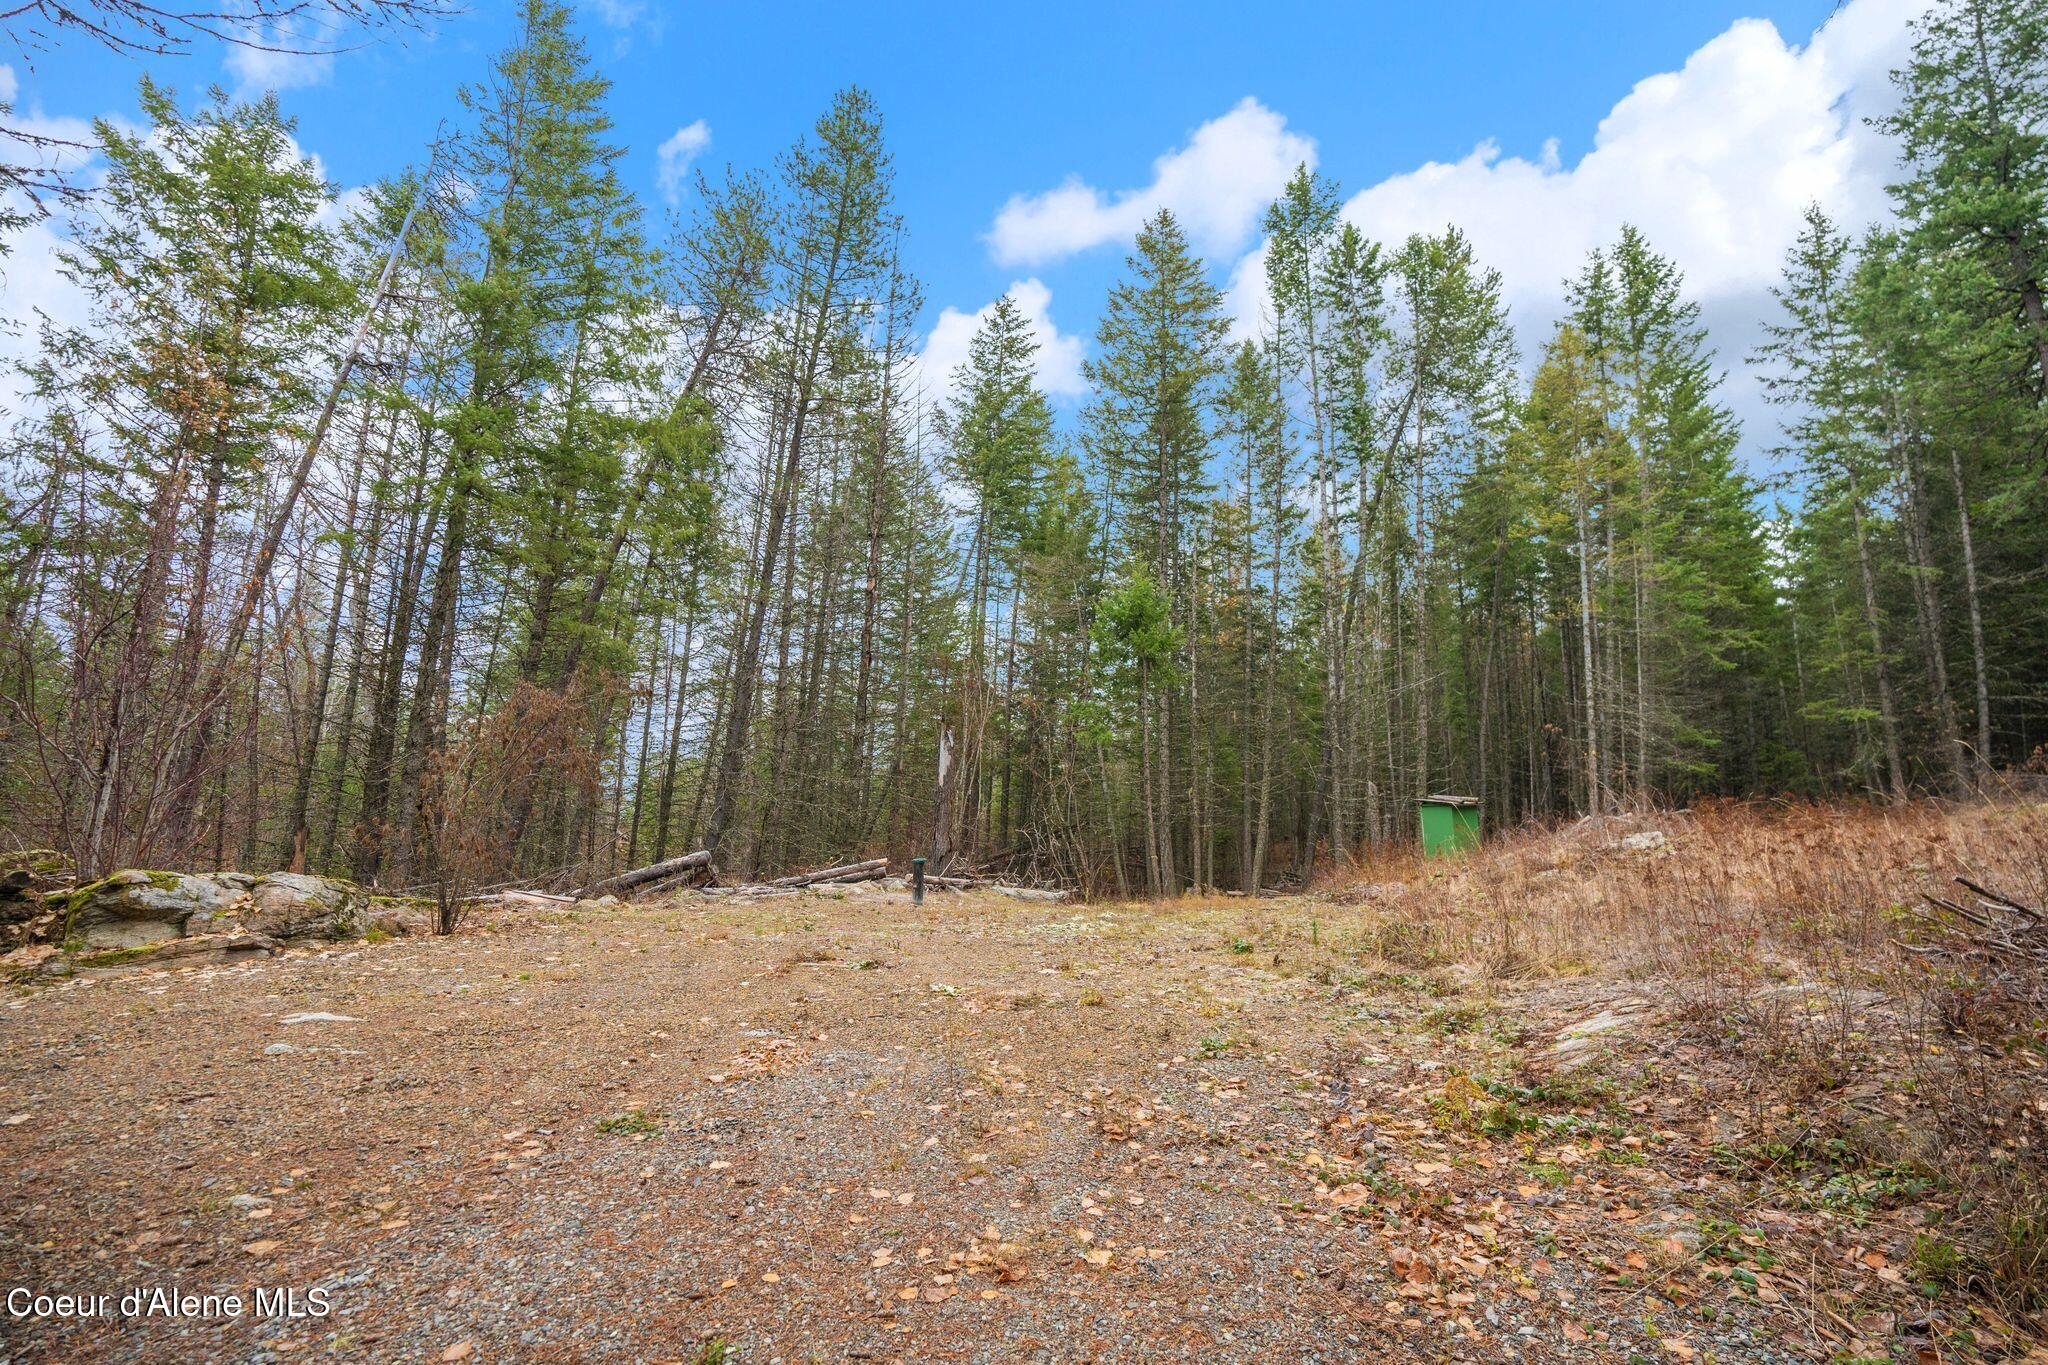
[866, 874]
[1030, 893]
[626, 881]
[845, 872]
[529, 899]
[708, 873]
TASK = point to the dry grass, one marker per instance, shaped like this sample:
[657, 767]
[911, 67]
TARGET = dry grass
[1757, 890]
[1866, 1033]
[1799, 942]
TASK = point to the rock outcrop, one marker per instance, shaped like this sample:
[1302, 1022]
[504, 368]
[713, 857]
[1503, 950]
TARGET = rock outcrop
[19, 901]
[137, 909]
[292, 905]
[26, 880]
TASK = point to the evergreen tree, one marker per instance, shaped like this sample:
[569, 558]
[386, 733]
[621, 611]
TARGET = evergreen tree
[1001, 430]
[1819, 369]
[1160, 352]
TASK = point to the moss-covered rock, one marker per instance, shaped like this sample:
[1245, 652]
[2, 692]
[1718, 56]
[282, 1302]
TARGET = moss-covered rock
[293, 905]
[43, 864]
[134, 908]
[192, 950]
[116, 957]
[26, 880]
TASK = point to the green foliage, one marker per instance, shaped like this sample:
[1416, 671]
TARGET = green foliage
[628, 1123]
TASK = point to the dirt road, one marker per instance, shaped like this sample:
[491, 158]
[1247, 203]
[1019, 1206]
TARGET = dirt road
[833, 1126]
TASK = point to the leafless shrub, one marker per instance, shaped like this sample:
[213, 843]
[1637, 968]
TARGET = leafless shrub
[484, 787]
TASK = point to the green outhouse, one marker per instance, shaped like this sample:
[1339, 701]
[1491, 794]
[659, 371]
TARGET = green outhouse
[1450, 825]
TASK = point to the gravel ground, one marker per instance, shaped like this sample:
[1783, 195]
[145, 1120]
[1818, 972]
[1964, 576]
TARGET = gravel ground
[837, 1127]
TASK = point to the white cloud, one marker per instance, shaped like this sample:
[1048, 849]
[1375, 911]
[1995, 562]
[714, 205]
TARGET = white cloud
[1245, 297]
[32, 282]
[1217, 185]
[618, 13]
[626, 18]
[1714, 162]
[47, 142]
[674, 156]
[344, 205]
[1059, 354]
[290, 55]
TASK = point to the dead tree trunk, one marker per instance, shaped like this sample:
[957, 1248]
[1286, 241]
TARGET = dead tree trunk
[639, 876]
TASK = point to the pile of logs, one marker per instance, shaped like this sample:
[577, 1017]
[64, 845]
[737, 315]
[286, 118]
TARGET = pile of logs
[656, 876]
[871, 870]
[697, 871]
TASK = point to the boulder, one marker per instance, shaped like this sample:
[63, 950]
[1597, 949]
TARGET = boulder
[194, 950]
[206, 949]
[31, 899]
[45, 865]
[394, 923]
[291, 905]
[136, 909]
[287, 906]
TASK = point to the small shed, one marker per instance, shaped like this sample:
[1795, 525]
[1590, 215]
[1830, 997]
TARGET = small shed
[1450, 825]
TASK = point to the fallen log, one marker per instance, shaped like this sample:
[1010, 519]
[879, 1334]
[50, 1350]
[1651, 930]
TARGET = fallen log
[709, 872]
[526, 898]
[627, 880]
[1030, 893]
[866, 874]
[845, 872]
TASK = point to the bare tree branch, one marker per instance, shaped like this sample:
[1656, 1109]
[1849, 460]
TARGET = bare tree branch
[150, 28]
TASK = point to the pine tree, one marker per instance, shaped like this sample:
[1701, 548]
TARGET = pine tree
[835, 256]
[1972, 125]
[1001, 430]
[1252, 428]
[1160, 351]
[1819, 370]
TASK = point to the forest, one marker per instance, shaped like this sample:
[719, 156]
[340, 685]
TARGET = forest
[490, 526]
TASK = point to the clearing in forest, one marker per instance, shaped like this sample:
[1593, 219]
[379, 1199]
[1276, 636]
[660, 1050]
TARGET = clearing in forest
[1484, 1113]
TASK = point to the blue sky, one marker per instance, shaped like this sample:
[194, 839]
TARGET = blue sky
[1538, 130]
